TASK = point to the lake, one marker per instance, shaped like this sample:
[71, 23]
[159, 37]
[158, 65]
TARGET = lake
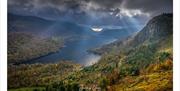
[76, 50]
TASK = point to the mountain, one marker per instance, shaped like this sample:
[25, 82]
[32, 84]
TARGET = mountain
[43, 27]
[141, 61]
[27, 23]
[157, 29]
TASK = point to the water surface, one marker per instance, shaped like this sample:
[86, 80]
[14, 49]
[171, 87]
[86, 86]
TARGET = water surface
[77, 50]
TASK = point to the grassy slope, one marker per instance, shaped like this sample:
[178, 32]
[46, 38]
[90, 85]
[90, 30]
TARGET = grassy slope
[150, 82]
[157, 76]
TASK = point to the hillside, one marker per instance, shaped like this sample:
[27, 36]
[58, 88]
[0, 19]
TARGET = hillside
[142, 62]
[147, 55]
[27, 23]
[24, 46]
[155, 30]
[39, 74]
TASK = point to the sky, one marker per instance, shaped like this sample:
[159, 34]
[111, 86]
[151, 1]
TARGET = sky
[97, 12]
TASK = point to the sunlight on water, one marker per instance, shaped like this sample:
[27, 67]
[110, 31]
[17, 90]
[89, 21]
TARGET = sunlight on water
[97, 29]
[92, 59]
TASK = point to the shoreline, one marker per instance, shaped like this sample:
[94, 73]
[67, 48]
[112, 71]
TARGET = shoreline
[29, 60]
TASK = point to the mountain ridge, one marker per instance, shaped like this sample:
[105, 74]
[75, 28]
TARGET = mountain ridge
[153, 31]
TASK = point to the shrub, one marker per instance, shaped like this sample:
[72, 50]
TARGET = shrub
[103, 83]
[163, 56]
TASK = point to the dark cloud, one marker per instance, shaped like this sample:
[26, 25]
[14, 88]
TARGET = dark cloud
[108, 3]
[149, 6]
[93, 10]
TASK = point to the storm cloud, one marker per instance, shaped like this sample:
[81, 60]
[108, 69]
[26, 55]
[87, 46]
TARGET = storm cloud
[147, 6]
[101, 11]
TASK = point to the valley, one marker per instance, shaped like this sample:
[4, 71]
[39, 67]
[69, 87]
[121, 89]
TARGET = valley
[140, 61]
[60, 40]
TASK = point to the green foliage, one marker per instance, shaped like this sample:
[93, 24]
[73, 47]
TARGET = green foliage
[142, 56]
[137, 59]
[89, 69]
[164, 55]
[60, 86]
[129, 70]
[29, 89]
[103, 83]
